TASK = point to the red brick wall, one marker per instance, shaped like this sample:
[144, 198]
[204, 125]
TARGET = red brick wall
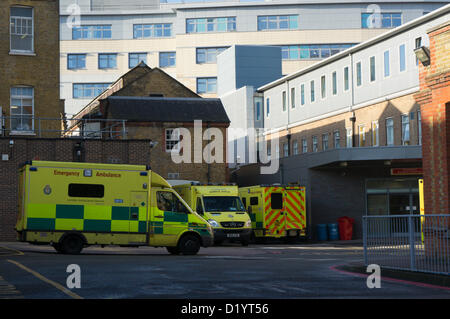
[121, 151]
[434, 100]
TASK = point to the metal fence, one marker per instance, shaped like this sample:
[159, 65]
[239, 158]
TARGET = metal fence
[408, 242]
[63, 127]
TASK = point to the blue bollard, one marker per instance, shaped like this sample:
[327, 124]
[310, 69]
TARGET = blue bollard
[322, 232]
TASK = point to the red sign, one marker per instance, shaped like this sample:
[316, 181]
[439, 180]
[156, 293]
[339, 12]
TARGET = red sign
[407, 171]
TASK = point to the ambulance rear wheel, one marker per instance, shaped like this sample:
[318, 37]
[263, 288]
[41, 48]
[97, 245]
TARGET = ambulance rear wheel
[173, 250]
[189, 245]
[72, 245]
[57, 248]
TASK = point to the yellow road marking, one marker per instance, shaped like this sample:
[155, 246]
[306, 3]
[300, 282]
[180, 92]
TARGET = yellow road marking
[51, 282]
[18, 252]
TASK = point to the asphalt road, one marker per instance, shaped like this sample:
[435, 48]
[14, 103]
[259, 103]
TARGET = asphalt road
[226, 272]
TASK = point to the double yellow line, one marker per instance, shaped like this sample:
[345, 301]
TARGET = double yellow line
[44, 279]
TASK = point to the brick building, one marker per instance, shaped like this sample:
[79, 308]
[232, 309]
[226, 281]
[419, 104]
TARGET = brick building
[434, 100]
[29, 56]
[350, 127]
[147, 103]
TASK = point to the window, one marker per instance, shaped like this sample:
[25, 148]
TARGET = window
[293, 98]
[172, 140]
[107, 60]
[334, 82]
[375, 133]
[276, 200]
[267, 107]
[314, 144]
[206, 85]
[380, 20]
[253, 201]
[362, 135]
[337, 139]
[200, 25]
[284, 100]
[88, 32]
[313, 95]
[311, 51]
[86, 190]
[135, 58]
[22, 109]
[302, 94]
[258, 110]
[145, 31]
[419, 127]
[21, 29]
[346, 79]
[76, 61]
[304, 145]
[324, 142]
[199, 206]
[418, 43]
[387, 67]
[167, 59]
[389, 132]
[372, 69]
[289, 22]
[358, 74]
[295, 147]
[402, 57]
[323, 88]
[88, 90]
[208, 55]
[169, 202]
[405, 129]
[349, 137]
[285, 149]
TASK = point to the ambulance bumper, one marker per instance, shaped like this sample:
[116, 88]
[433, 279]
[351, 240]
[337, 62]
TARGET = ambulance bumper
[232, 234]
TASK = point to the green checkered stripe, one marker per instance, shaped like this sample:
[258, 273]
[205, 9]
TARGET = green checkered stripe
[256, 220]
[174, 219]
[89, 218]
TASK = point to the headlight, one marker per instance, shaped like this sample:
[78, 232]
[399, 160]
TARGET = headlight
[213, 223]
[248, 223]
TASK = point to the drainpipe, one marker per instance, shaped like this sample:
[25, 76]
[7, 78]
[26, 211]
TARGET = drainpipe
[353, 118]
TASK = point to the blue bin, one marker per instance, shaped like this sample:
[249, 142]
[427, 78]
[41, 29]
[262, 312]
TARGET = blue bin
[322, 232]
[333, 231]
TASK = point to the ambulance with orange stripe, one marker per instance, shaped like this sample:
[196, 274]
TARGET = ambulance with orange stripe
[276, 211]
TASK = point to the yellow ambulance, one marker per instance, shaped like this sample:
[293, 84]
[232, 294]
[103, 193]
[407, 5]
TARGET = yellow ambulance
[276, 211]
[74, 205]
[221, 206]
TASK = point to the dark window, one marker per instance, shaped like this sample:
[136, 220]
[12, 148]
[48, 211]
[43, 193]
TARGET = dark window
[244, 201]
[277, 200]
[253, 200]
[86, 190]
[199, 207]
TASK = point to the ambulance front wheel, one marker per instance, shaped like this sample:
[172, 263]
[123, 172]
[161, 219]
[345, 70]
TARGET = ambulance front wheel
[71, 245]
[189, 245]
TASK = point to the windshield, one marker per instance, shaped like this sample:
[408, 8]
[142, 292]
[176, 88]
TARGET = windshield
[223, 204]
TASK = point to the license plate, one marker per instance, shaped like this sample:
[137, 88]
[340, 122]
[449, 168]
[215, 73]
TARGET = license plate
[233, 235]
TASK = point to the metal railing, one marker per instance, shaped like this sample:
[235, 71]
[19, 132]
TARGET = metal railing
[63, 127]
[408, 242]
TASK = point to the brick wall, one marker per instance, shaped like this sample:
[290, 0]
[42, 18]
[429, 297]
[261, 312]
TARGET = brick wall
[121, 151]
[434, 100]
[39, 70]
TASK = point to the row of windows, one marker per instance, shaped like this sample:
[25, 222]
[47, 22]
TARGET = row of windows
[109, 60]
[362, 135]
[312, 51]
[91, 90]
[225, 24]
[401, 58]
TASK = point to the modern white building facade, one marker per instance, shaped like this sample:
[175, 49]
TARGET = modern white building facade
[102, 39]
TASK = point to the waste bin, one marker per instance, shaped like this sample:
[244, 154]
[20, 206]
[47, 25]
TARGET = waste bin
[346, 227]
[333, 233]
[322, 232]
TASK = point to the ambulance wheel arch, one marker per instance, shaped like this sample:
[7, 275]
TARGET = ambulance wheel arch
[189, 243]
[71, 243]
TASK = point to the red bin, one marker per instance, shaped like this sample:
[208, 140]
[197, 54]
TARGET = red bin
[346, 228]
